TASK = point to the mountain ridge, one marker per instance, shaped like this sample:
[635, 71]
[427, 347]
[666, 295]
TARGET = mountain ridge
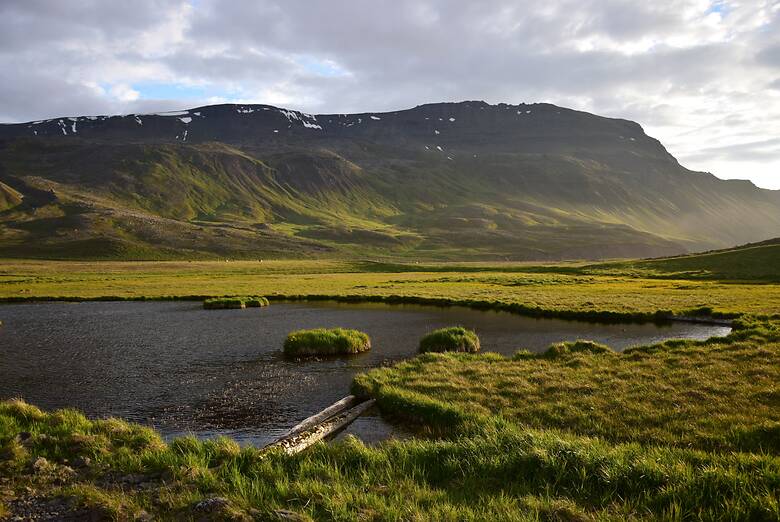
[438, 181]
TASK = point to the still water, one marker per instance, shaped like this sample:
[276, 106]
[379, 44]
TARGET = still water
[183, 369]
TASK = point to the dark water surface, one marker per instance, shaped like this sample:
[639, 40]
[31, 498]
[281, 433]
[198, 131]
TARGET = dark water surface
[183, 369]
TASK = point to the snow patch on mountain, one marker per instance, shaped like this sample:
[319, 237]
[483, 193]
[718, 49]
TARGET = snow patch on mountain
[307, 120]
[171, 113]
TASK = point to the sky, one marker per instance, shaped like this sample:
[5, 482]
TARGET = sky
[703, 76]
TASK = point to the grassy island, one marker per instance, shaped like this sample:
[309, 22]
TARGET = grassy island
[452, 339]
[256, 302]
[222, 303]
[323, 341]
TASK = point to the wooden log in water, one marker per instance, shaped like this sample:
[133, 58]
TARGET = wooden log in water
[334, 409]
[299, 441]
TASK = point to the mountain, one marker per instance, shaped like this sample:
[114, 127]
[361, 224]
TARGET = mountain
[462, 180]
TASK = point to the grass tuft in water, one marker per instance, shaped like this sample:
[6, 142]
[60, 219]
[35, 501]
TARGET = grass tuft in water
[323, 341]
[452, 339]
[222, 303]
[256, 302]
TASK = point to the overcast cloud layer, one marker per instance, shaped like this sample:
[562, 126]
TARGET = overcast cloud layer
[701, 75]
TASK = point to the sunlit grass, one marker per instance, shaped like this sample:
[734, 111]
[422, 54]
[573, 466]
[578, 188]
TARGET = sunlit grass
[452, 339]
[500, 471]
[326, 341]
[560, 292]
[222, 303]
[722, 394]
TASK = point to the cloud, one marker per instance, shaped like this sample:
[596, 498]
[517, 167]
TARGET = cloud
[702, 76]
[762, 150]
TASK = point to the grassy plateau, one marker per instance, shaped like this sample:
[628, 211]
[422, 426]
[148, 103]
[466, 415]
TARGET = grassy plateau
[682, 430]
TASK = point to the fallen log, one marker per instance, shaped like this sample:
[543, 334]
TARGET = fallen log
[299, 441]
[334, 409]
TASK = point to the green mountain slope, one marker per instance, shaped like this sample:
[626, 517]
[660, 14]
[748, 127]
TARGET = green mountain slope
[9, 198]
[441, 181]
[752, 262]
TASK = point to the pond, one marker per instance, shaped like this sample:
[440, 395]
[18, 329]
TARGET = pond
[182, 369]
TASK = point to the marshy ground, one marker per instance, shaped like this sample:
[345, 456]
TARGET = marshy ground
[679, 430]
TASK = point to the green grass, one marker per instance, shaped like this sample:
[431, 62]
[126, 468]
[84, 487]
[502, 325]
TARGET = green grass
[326, 341]
[683, 430]
[569, 348]
[715, 460]
[498, 472]
[757, 262]
[256, 302]
[452, 339]
[718, 395]
[221, 303]
[571, 291]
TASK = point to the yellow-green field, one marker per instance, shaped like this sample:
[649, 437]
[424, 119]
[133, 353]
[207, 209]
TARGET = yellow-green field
[563, 287]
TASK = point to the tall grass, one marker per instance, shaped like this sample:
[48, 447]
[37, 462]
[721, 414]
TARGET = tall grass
[322, 341]
[221, 303]
[451, 339]
[501, 472]
[256, 302]
[717, 395]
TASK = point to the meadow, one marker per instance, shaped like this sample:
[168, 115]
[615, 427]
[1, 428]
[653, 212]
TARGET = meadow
[573, 288]
[683, 430]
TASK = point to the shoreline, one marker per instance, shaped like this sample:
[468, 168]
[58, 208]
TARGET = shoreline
[594, 316]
